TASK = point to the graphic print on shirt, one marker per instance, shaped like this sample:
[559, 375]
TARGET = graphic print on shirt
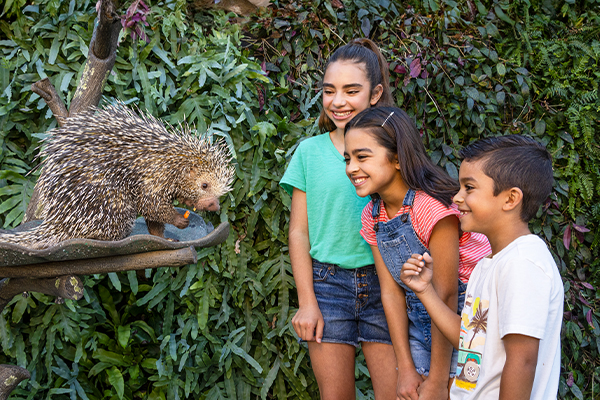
[473, 329]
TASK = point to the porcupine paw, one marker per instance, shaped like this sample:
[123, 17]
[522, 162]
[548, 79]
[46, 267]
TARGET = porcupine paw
[181, 222]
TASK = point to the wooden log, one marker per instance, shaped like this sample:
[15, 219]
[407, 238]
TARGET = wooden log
[153, 259]
[66, 287]
[10, 377]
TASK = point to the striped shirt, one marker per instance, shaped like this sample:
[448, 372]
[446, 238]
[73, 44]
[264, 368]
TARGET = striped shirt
[425, 213]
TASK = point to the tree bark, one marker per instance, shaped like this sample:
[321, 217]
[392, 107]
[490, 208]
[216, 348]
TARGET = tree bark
[10, 377]
[101, 59]
[46, 91]
[66, 287]
[102, 265]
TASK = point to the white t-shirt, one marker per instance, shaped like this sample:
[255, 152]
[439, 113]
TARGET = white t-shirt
[518, 291]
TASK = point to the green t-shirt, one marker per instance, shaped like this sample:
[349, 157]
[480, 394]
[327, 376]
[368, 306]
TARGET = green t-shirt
[333, 206]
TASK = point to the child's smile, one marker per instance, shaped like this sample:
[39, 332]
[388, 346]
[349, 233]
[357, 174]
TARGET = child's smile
[368, 164]
[476, 201]
[346, 92]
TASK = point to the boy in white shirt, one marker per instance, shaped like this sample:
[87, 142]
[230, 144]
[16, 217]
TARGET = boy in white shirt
[508, 335]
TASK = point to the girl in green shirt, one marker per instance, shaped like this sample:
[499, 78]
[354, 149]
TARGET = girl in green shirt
[338, 289]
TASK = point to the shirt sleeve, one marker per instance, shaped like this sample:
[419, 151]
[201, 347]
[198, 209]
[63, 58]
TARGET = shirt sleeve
[295, 174]
[367, 231]
[427, 212]
[524, 292]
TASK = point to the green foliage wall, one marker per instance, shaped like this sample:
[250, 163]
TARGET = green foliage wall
[221, 329]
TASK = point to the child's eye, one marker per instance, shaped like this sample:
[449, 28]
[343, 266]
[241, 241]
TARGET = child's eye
[468, 187]
[346, 160]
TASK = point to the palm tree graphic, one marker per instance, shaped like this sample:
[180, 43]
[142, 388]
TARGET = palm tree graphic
[478, 323]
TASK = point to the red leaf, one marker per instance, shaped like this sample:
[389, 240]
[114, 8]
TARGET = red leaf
[580, 228]
[587, 285]
[588, 317]
[567, 237]
[415, 68]
[400, 69]
[584, 301]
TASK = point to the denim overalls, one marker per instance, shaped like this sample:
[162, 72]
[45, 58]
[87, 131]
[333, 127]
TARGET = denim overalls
[397, 241]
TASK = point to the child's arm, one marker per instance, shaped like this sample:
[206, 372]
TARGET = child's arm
[417, 273]
[394, 306]
[443, 245]
[519, 369]
[308, 321]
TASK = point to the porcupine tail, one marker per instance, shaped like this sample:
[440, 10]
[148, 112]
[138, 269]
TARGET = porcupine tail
[39, 237]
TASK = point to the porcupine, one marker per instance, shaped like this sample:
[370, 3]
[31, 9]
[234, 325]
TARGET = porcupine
[104, 167]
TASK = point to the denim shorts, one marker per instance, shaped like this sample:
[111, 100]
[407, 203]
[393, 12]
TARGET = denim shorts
[350, 302]
[419, 331]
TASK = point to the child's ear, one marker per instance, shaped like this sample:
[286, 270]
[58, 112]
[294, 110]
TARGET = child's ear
[514, 197]
[396, 162]
[376, 94]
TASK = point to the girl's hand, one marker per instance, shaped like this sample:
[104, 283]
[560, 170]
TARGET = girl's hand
[417, 272]
[408, 384]
[430, 390]
[308, 323]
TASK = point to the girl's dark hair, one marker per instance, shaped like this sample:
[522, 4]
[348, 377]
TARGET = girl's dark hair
[393, 129]
[362, 51]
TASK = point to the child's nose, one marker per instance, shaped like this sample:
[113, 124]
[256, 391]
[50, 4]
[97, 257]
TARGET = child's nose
[457, 198]
[339, 99]
[350, 167]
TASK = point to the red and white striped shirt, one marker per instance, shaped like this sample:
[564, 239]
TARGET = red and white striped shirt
[424, 214]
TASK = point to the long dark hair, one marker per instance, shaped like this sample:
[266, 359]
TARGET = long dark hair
[362, 51]
[393, 129]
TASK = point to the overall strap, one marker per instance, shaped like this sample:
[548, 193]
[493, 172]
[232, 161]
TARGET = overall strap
[375, 212]
[409, 198]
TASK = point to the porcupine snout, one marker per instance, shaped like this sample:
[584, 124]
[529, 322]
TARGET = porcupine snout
[209, 204]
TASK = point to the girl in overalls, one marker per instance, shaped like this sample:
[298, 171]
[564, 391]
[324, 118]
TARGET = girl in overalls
[411, 212]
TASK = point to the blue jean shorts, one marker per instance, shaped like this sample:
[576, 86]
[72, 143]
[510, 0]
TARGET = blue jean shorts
[350, 302]
[419, 331]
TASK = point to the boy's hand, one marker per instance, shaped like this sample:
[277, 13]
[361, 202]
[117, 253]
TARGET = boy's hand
[430, 390]
[417, 272]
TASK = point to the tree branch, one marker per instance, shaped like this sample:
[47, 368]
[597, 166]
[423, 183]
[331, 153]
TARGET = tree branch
[10, 377]
[101, 59]
[45, 89]
[102, 265]
[67, 287]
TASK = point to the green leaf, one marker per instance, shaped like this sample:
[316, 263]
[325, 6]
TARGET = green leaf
[123, 334]
[502, 15]
[114, 279]
[472, 93]
[116, 380]
[540, 127]
[110, 358]
[576, 391]
[269, 379]
[203, 308]
[501, 69]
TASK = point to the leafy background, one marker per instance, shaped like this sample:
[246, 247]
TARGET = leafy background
[221, 329]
